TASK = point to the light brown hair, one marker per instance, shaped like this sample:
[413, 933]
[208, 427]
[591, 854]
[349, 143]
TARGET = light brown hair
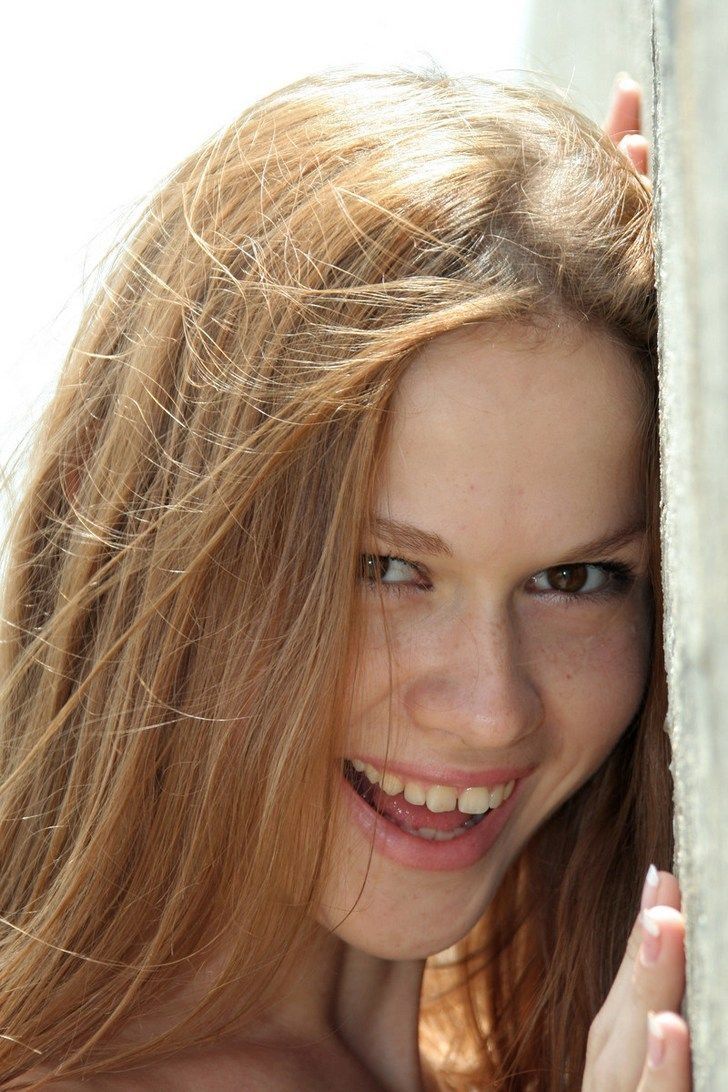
[181, 592]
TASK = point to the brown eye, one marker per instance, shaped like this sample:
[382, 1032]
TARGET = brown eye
[393, 573]
[584, 580]
[372, 566]
[568, 578]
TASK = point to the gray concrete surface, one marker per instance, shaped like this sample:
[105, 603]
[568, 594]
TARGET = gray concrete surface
[691, 162]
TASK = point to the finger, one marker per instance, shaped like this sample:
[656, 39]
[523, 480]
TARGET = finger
[625, 109]
[665, 893]
[667, 1065]
[651, 977]
[636, 148]
[658, 981]
[658, 985]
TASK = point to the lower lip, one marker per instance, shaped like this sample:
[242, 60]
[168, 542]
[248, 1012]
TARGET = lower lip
[414, 852]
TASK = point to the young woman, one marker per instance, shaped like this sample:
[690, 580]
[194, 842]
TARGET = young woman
[333, 623]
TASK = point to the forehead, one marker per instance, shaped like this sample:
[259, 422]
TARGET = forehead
[497, 430]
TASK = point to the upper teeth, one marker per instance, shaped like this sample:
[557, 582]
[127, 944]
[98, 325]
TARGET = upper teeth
[472, 801]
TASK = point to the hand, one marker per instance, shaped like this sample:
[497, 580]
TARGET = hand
[624, 124]
[651, 979]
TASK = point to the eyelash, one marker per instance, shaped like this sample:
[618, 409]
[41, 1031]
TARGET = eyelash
[622, 578]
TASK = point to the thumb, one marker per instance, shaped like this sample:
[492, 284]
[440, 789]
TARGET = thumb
[667, 1065]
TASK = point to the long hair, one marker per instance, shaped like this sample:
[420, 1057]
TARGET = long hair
[181, 590]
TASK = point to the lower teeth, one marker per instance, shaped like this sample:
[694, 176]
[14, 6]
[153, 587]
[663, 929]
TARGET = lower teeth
[441, 835]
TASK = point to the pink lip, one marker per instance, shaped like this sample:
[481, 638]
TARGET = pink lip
[447, 775]
[415, 852]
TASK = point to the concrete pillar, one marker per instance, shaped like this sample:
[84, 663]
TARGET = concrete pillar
[581, 46]
[691, 160]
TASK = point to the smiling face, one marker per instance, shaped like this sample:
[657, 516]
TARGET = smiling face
[496, 648]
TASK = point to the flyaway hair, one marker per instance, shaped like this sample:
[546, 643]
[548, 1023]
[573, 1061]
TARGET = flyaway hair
[181, 593]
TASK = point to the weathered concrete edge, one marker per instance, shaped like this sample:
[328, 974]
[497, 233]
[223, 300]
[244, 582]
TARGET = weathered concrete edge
[692, 276]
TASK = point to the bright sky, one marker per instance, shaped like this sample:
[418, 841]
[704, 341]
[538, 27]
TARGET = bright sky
[102, 100]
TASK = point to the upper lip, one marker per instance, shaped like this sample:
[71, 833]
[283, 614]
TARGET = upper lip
[437, 774]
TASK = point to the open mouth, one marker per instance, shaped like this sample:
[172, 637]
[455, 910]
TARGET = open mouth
[435, 813]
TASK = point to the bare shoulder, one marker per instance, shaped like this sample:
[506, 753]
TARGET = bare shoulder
[256, 1069]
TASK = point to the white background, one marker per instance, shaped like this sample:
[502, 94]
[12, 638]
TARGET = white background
[100, 101]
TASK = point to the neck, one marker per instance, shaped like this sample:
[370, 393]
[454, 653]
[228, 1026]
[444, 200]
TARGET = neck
[362, 1004]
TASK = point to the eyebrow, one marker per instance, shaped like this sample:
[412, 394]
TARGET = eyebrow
[403, 536]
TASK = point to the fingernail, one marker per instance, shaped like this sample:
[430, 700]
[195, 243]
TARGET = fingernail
[655, 1042]
[621, 77]
[650, 947]
[649, 888]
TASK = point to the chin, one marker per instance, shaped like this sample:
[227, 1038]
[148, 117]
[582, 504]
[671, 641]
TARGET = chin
[397, 922]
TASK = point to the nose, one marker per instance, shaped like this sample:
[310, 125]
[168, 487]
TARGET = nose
[476, 683]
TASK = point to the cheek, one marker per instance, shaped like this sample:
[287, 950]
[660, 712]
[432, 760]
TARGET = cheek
[397, 642]
[605, 645]
[595, 675]
[386, 644]
[370, 681]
